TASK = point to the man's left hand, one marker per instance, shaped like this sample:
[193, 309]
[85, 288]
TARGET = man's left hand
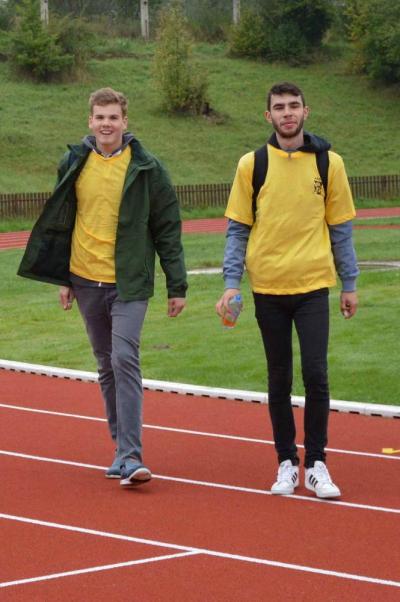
[175, 306]
[348, 304]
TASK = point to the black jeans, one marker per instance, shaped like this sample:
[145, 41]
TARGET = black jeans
[310, 314]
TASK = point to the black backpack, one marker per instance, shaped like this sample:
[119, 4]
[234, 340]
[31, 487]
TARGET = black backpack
[261, 168]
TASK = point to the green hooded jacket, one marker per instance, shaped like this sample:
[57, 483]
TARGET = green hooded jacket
[148, 222]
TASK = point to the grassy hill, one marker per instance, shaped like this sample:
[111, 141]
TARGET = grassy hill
[37, 121]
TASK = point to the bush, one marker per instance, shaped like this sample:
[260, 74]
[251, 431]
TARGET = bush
[183, 86]
[374, 30]
[75, 38]
[287, 31]
[287, 43]
[48, 53]
[6, 16]
[247, 38]
[34, 50]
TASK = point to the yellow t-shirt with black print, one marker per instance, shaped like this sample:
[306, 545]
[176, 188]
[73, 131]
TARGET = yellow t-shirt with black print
[289, 249]
[99, 192]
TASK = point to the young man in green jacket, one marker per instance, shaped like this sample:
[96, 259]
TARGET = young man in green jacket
[112, 210]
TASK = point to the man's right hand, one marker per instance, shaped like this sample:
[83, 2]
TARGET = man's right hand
[66, 295]
[222, 305]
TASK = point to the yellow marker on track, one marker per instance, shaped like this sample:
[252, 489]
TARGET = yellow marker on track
[390, 450]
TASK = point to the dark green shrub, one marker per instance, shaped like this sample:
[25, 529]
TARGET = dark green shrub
[52, 52]
[374, 29]
[248, 37]
[34, 50]
[7, 14]
[287, 43]
[287, 31]
[75, 38]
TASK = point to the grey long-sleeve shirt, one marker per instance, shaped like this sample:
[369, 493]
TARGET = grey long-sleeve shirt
[342, 247]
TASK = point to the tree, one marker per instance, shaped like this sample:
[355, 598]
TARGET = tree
[48, 52]
[375, 33]
[35, 51]
[182, 84]
[291, 30]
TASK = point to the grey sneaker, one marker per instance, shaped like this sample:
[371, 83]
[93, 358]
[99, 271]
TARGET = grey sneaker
[287, 479]
[318, 480]
[134, 473]
[114, 472]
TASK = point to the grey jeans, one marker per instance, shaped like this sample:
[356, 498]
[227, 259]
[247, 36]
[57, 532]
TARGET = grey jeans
[114, 329]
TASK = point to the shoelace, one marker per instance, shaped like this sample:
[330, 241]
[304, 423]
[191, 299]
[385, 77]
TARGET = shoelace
[322, 474]
[285, 473]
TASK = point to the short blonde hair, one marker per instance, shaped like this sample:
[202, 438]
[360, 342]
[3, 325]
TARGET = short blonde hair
[108, 96]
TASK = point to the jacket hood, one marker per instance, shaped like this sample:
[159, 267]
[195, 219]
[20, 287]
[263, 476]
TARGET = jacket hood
[140, 155]
[312, 143]
[90, 142]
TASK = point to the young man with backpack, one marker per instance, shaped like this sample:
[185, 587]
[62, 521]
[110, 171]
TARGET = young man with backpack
[112, 210]
[290, 211]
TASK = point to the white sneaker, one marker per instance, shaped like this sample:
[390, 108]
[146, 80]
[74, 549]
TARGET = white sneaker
[318, 479]
[287, 479]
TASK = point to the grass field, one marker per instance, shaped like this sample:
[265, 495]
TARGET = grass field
[194, 348]
[38, 120]
[360, 121]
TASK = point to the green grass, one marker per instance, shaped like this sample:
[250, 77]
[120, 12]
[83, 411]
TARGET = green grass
[377, 245]
[378, 221]
[14, 225]
[362, 203]
[194, 348]
[38, 120]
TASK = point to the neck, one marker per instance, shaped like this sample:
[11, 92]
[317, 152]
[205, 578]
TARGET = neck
[108, 150]
[290, 143]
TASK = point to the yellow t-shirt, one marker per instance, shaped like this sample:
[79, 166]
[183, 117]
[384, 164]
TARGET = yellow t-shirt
[99, 192]
[289, 248]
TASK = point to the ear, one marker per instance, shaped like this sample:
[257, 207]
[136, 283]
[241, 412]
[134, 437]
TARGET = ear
[125, 122]
[306, 112]
[268, 117]
[90, 122]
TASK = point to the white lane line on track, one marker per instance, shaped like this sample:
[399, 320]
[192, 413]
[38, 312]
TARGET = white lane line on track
[213, 553]
[223, 486]
[96, 569]
[193, 432]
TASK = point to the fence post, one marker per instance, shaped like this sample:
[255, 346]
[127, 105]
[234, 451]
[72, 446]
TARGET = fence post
[144, 19]
[236, 11]
[44, 11]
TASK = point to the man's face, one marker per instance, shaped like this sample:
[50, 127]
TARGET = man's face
[287, 114]
[108, 125]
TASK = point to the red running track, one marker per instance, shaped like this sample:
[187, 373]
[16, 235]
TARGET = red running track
[15, 240]
[205, 528]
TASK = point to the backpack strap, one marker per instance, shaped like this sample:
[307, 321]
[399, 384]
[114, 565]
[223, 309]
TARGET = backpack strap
[322, 160]
[259, 174]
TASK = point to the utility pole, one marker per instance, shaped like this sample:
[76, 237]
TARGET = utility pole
[236, 11]
[44, 11]
[144, 18]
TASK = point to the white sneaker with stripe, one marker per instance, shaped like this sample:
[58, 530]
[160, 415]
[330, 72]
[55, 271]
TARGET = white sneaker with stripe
[318, 480]
[287, 479]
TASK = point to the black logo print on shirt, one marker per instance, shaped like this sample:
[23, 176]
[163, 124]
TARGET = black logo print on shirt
[318, 186]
